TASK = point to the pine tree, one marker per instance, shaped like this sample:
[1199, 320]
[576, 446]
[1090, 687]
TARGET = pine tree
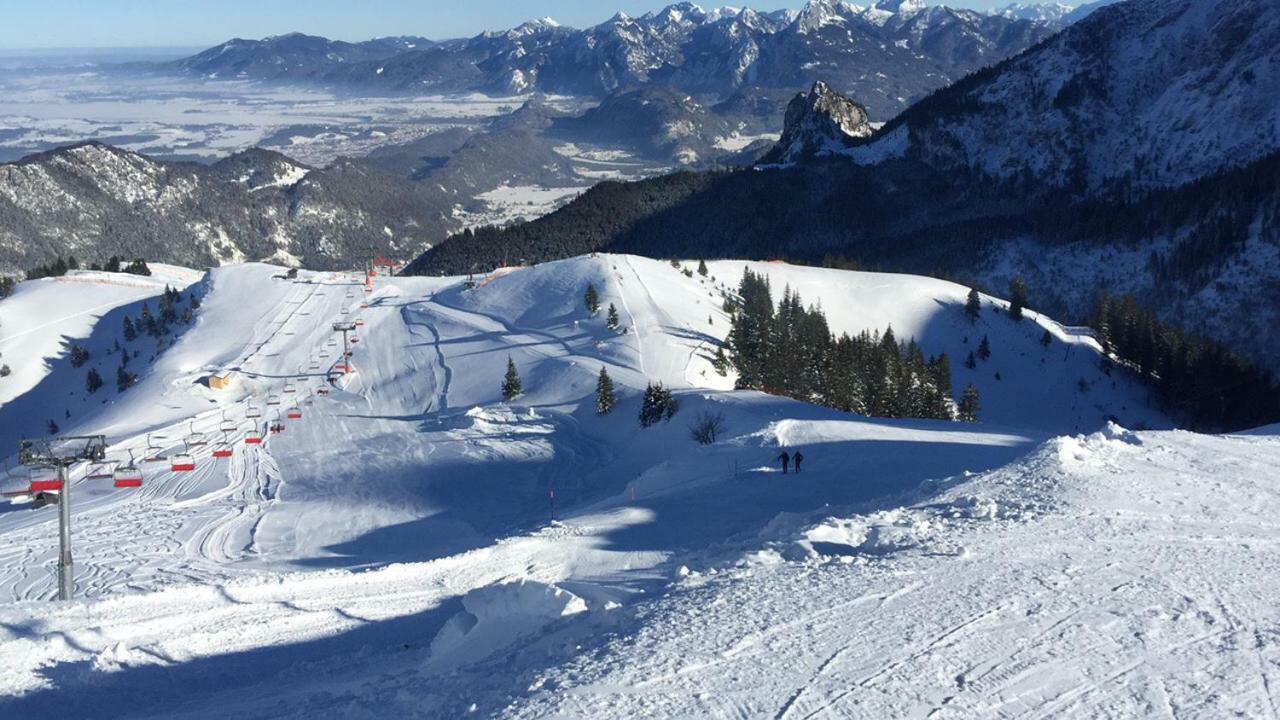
[970, 362]
[720, 363]
[612, 321]
[984, 349]
[1017, 297]
[511, 385]
[969, 405]
[124, 379]
[973, 305]
[658, 405]
[92, 381]
[1046, 339]
[79, 355]
[52, 427]
[591, 299]
[605, 399]
[702, 268]
[130, 333]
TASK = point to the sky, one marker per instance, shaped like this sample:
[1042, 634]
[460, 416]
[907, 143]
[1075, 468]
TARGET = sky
[202, 23]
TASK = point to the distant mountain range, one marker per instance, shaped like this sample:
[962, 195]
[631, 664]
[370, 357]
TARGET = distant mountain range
[885, 55]
[1138, 151]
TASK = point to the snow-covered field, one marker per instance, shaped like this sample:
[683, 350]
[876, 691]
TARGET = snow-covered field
[415, 547]
[168, 117]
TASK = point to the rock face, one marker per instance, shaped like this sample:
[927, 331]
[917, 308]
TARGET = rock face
[817, 122]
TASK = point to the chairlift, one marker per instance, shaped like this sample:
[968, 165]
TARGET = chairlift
[100, 470]
[294, 413]
[253, 412]
[227, 425]
[128, 475]
[223, 449]
[254, 436]
[42, 481]
[359, 322]
[195, 438]
[290, 388]
[322, 391]
[354, 340]
[273, 400]
[277, 424]
[183, 461]
[155, 453]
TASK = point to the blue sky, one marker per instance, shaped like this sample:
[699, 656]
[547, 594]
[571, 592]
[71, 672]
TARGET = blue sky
[143, 23]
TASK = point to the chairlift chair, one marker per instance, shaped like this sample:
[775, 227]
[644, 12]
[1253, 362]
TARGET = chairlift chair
[44, 479]
[253, 412]
[254, 436]
[155, 453]
[183, 461]
[294, 413]
[273, 400]
[227, 425]
[359, 322]
[195, 438]
[100, 470]
[128, 475]
[290, 388]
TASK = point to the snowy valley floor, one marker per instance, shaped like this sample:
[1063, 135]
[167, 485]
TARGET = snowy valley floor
[412, 547]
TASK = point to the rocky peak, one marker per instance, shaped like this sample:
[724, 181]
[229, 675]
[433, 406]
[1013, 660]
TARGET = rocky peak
[819, 121]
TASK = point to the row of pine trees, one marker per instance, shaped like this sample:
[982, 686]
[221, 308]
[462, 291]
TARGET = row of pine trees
[789, 350]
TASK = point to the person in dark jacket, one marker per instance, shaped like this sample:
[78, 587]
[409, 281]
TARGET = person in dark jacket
[797, 458]
[785, 458]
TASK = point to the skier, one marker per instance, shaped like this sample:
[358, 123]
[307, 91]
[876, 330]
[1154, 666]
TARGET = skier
[785, 458]
[798, 458]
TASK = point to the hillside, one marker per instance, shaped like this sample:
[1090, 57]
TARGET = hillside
[1160, 182]
[410, 526]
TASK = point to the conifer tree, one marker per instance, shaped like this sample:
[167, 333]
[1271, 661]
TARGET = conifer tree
[92, 381]
[52, 427]
[130, 333]
[720, 363]
[124, 379]
[973, 305]
[658, 405]
[605, 399]
[702, 268]
[612, 321]
[1046, 339]
[1017, 297]
[984, 349]
[511, 385]
[591, 299]
[969, 405]
[970, 362]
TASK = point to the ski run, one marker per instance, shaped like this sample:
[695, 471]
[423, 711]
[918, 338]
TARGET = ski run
[413, 546]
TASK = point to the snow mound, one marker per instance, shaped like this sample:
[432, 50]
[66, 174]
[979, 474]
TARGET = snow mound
[496, 616]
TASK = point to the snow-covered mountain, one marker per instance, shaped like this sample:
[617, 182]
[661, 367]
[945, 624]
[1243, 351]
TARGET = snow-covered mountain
[1143, 94]
[291, 57]
[884, 54]
[432, 550]
[93, 201]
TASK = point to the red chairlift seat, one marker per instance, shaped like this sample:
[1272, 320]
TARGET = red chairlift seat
[222, 451]
[295, 413]
[253, 437]
[183, 462]
[45, 484]
[128, 476]
[359, 323]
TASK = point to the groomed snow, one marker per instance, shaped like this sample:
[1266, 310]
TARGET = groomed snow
[412, 546]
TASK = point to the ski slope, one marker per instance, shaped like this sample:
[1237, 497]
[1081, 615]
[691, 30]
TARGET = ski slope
[413, 545]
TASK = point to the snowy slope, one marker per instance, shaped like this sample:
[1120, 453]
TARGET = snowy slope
[411, 542]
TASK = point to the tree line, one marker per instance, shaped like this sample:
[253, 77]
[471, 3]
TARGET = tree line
[1201, 383]
[789, 350]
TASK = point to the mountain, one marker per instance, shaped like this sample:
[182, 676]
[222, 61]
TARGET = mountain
[290, 57]
[1147, 93]
[885, 55]
[1135, 152]
[821, 121]
[93, 201]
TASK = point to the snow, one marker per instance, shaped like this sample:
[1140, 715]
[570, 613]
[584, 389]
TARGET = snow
[413, 546]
